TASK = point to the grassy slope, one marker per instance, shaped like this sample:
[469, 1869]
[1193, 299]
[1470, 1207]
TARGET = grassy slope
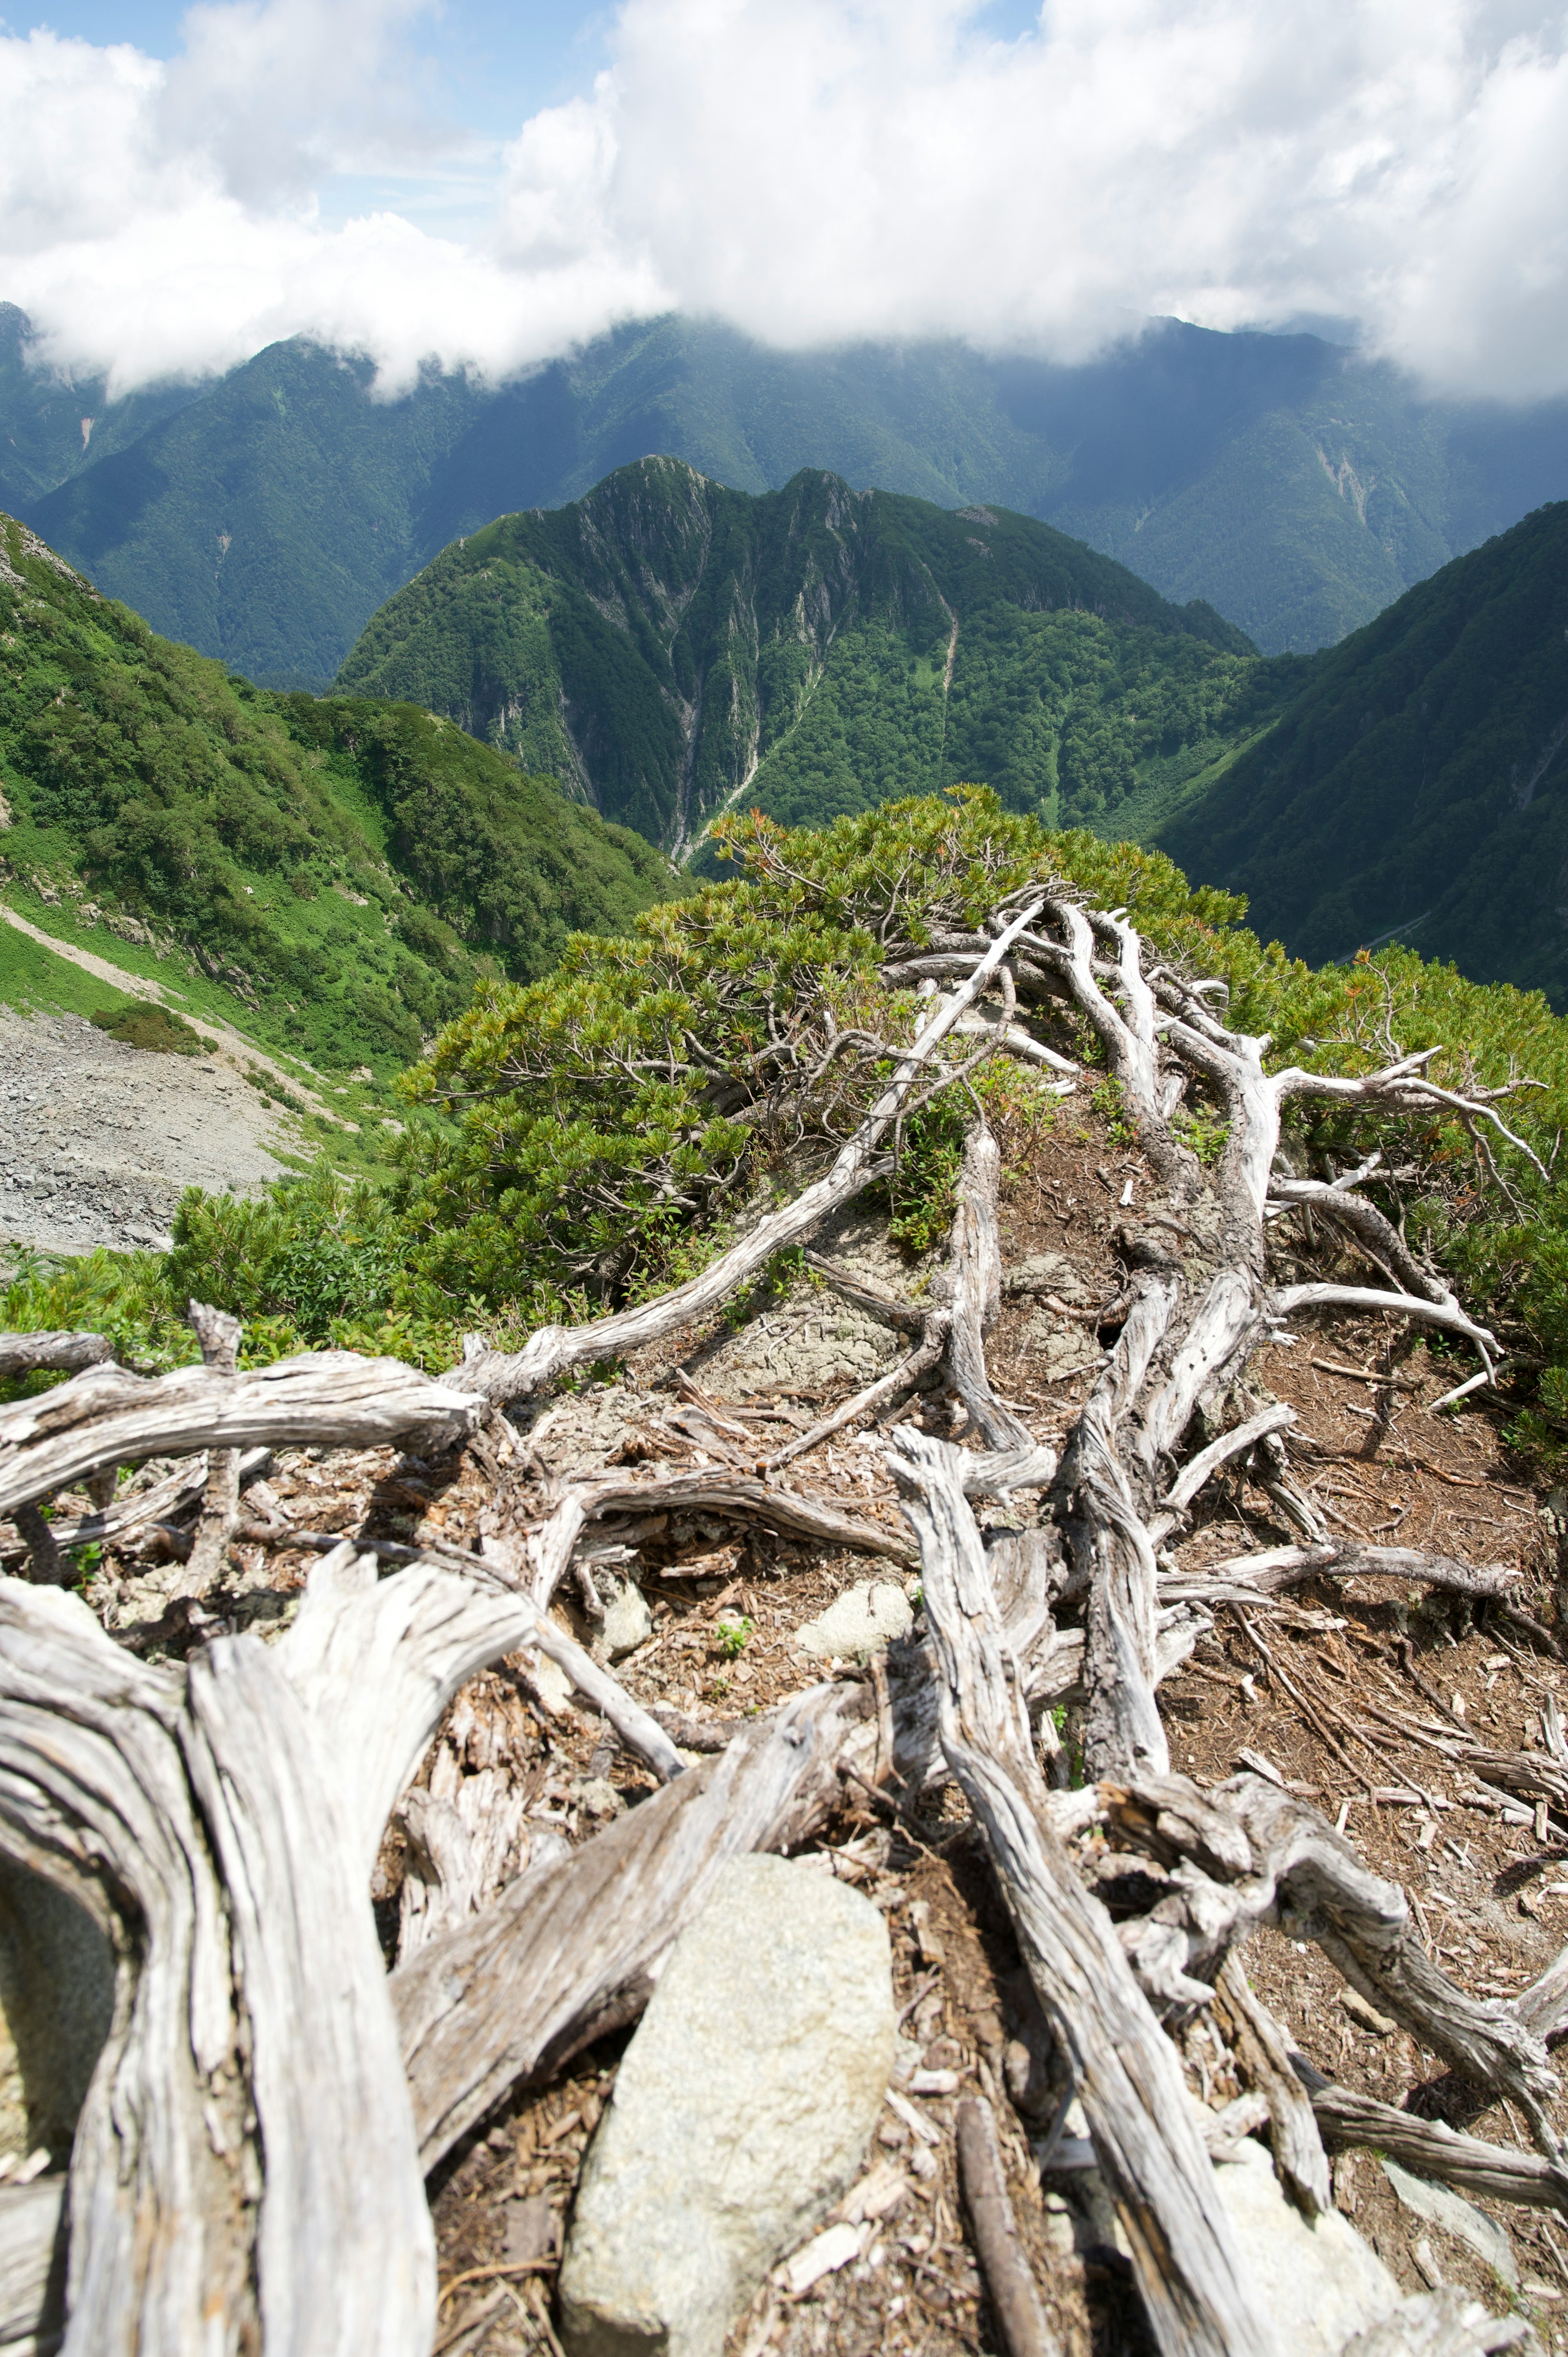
[331, 875]
[1391, 795]
[1296, 487]
[651, 640]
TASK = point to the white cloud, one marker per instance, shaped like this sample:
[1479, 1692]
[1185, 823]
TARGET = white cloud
[827, 170]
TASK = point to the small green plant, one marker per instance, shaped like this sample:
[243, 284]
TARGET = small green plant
[733, 1633]
[148, 1024]
[1108, 1101]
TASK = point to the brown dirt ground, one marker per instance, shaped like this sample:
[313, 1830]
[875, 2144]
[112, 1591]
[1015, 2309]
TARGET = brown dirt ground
[1302, 1686]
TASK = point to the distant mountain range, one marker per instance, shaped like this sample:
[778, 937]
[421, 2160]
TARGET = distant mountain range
[1416, 785]
[667, 648]
[1295, 485]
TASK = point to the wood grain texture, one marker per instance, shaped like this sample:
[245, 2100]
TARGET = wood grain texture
[327, 1398]
[569, 1951]
[1188, 2269]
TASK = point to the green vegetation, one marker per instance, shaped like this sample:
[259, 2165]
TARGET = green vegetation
[1296, 486]
[676, 647]
[338, 873]
[1416, 783]
[595, 1135]
[148, 1024]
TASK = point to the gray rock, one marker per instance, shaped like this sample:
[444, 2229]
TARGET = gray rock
[862, 1621]
[1321, 2282]
[628, 1622]
[1442, 2207]
[741, 2113]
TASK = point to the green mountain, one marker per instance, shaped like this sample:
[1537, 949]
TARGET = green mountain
[1416, 785]
[668, 649]
[343, 869]
[1292, 483]
[52, 427]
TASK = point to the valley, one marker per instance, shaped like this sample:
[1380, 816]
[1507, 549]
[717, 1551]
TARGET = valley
[1296, 484]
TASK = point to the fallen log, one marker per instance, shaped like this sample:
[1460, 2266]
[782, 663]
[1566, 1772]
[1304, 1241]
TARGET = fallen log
[327, 1398]
[24, 1354]
[1008, 2279]
[1430, 2149]
[1188, 2270]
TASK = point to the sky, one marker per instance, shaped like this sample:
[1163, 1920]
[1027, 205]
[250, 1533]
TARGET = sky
[487, 186]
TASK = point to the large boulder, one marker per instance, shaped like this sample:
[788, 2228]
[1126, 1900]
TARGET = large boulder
[741, 2113]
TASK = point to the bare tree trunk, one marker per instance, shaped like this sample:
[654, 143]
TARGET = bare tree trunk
[219, 1335]
[1188, 2269]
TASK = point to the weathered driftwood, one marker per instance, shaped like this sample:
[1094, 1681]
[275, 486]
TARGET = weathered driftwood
[246, 2152]
[219, 1335]
[709, 1491]
[1259, 2045]
[1262, 1855]
[1431, 2149]
[1208, 1461]
[569, 1952]
[135, 1512]
[1014, 2299]
[1188, 2269]
[555, 1349]
[23, 1354]
[1272, 1571]
[32, 2265]
[974, 1293]
[328, 1398]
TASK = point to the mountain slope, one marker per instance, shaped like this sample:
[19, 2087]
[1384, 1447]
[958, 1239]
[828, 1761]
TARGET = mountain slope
[1417, 783]
[345, 870]
[51, 428]
[668, 647]
[1293, 484]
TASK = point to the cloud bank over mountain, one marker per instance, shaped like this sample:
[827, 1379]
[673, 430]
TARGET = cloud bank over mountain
[834, 170]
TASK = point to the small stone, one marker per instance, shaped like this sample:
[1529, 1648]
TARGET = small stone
[1356, 2005]
[1441, 2207]
[741, 2113]
[857, 1624]
[1320, 2282]
[628, 1622]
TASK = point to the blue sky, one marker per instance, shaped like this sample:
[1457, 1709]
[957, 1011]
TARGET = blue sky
[496, 64]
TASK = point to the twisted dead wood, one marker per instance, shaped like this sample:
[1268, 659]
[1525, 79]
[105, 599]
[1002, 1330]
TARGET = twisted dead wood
[246, 2159]
[1431, 2149]
[328, 1398]
[555, 1349]
[1146, 2136]
[21, 1354]
[569, 1951]
[1263, 1856]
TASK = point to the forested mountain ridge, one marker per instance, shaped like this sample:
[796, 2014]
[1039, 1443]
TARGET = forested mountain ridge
[347, 869]
[667, 647]
[1297, 486]
[1416, 784]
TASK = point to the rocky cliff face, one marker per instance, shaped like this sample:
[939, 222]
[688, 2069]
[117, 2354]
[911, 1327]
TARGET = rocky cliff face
[665, 646]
